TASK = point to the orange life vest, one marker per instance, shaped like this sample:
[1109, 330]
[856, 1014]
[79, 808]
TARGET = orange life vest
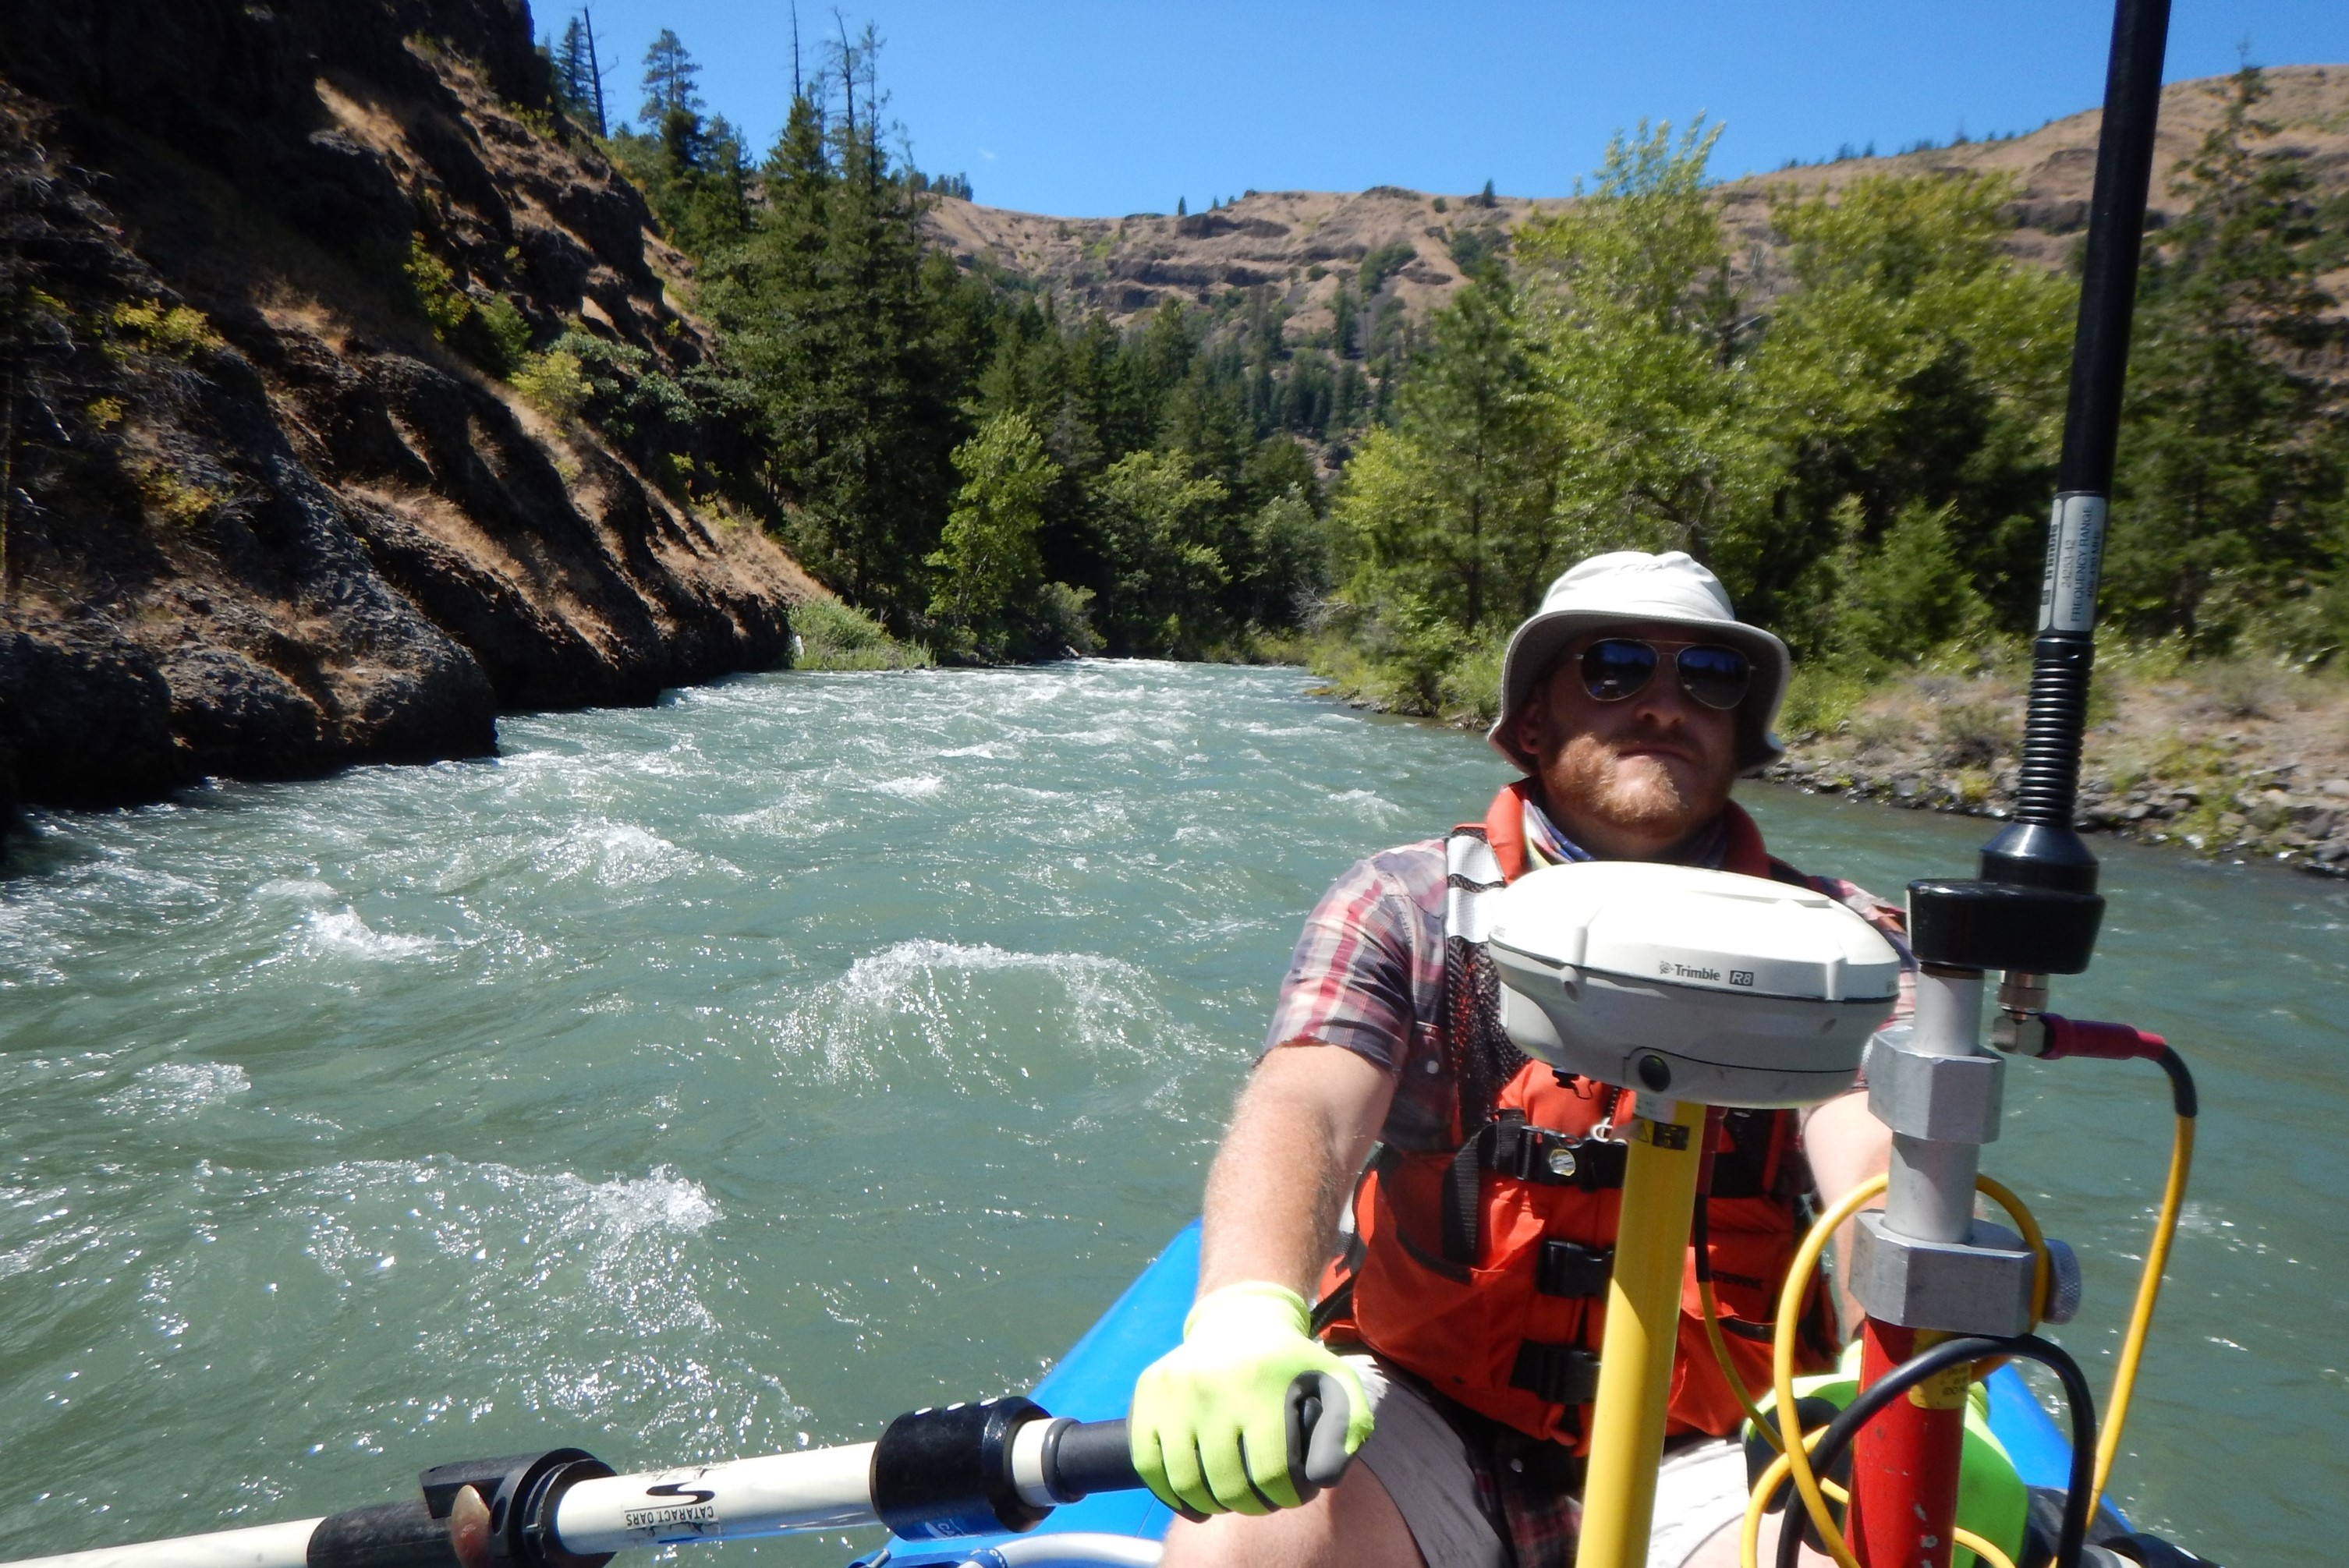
[1484, 1271]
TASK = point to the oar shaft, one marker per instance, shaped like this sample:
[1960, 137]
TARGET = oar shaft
[261, 1547]
[820, 1489]
[964, 1470]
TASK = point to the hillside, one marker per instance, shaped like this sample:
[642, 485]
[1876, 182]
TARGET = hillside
[1302, 242]
[260, 518]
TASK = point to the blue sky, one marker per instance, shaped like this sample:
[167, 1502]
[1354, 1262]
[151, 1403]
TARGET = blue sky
[1101, 107]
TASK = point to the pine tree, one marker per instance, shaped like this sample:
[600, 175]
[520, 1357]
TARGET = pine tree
[1344, 316]
[574, 84]
[669, 84]
[842, 325]
[2230, 495]
[594, 69]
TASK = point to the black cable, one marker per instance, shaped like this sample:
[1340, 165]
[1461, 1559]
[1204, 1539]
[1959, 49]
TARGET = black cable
[1862, 1408]
[2182, 1098]
[2080, 1401]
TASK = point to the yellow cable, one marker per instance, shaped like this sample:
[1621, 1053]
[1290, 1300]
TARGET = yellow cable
[1796, 1456]
[2043, 1269]
[1796, 1461]
[2148, 1290]
[1782, 1357]
[2016, 1211]
[2040, 1271]
[1750, 1541]
[1980, 1548]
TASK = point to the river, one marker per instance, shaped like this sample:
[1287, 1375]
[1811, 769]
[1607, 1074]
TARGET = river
[731, 1075]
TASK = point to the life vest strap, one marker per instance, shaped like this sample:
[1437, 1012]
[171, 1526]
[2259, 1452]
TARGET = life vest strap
[1559, 1374]
[1571, 1269]
[1507, 1147]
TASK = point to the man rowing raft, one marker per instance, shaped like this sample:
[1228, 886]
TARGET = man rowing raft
[1463, 1313]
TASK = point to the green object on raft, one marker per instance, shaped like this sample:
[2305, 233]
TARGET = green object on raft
[1992, 1501]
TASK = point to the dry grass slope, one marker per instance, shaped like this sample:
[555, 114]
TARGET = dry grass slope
[1302, 242]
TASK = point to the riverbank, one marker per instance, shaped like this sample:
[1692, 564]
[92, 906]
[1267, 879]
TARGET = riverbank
[2238, 759]
[2241, 759]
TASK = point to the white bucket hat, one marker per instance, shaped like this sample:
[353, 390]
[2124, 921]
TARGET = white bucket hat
[1631, 586]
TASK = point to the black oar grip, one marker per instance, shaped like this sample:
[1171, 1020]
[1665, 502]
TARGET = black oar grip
[1082, 1458]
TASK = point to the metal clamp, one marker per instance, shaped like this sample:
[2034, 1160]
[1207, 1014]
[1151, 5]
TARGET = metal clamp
[1949, 1099]
[1979, 1286]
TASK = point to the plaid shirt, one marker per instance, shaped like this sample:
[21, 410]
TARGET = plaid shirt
[1368, 975]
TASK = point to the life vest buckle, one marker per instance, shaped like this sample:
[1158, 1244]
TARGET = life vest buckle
[1571, 1269]
[1550, 1159]
[1559, 1373]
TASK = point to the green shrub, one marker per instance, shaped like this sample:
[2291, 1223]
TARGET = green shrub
[170, 496]
[492, 334]
[1909, 595]
[444, 304]
[149, 326]
[1471, 688]
[1976, 733]
[830, 635]
[508, 334]
[2246, 688]
[1820, 699]
[554, 382]
[1064, 620]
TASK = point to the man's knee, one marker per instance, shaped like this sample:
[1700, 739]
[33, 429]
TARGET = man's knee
[1354, 1524]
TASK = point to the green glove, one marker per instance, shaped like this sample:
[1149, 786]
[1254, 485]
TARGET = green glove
[1214, 1422]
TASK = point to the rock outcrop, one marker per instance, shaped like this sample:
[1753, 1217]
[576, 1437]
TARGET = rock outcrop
[258, 518]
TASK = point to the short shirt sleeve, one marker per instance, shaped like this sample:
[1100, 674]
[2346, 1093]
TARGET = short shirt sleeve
[1362, 976]
[1368, 978]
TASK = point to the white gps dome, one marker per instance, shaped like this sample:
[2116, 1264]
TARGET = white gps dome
[1690, 985]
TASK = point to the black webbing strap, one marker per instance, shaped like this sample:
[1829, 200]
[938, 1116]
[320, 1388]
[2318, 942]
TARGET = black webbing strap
[1741, 1169]
[1506, 1146]
[1338, 1304]
[1572, 1269]
[1561, 1374]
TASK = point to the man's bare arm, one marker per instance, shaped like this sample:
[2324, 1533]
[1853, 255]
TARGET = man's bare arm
[1847, 1145]
[1304, 1124]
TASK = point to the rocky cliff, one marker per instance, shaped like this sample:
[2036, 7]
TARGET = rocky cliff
[265, 511]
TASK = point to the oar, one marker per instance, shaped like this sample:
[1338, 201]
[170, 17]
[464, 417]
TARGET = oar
[961, 1471]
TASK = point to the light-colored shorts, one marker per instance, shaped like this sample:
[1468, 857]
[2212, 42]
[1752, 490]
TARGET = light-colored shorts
[1428, 1469]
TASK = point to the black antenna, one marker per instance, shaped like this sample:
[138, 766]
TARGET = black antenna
[2035, 909]
[2041, 848]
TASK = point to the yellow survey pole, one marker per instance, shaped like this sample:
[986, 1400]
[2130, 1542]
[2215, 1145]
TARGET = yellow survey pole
[1635, 1357]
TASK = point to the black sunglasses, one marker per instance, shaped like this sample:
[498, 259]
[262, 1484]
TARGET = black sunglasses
[1614, 668]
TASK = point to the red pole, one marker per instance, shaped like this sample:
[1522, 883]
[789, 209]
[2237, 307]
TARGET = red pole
[1904, 1465]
